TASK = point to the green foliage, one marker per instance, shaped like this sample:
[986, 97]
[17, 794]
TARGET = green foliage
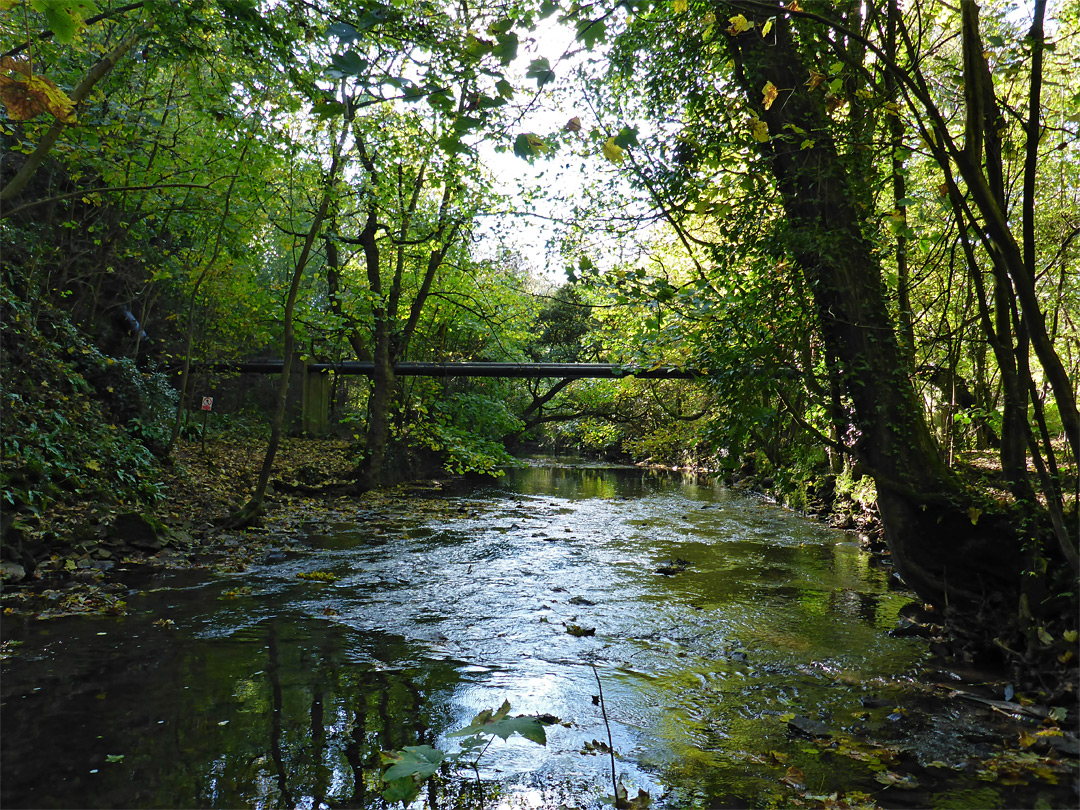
[75, 421]
[409, 768]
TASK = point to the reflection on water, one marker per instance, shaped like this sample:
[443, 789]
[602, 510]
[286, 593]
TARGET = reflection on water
[286, 713]
[284, 696]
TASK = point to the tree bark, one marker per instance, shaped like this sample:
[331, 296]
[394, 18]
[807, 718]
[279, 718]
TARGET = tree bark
[944, 549]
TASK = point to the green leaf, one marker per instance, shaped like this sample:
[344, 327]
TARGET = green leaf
[505, 89]
[402, 790]
[627, 137]
[65, 17]
[591, 31]
[506, 49]
[114, 757]
[528, 145]
[540, 70]
[344, 32]
[419, 761]
[349, 63]
[453, 145]
[499, 724]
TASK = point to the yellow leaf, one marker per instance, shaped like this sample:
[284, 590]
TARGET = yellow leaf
[739, 23]
[93, 465]
[974, 513]
[816, 78]
[766, 28]
[794, 6]
[612, 151]
[769, 94]
[679, 6]
[1066, 657]
[759, 131]
[18, 65]
[1071, 636]
[27, 98]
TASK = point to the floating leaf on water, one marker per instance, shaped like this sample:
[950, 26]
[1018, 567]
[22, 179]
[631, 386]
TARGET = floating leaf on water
[595, 747]
[114, 757]
[794, 777]
[893, 779]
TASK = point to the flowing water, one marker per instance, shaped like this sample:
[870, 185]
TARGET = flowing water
[267, 690]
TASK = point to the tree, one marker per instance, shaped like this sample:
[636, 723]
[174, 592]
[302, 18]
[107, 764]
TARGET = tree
[812, 128]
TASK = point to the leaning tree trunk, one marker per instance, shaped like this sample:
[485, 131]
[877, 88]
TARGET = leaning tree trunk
[942, 543]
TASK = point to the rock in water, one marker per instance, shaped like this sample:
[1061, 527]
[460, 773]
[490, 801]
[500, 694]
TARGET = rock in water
[808, 727]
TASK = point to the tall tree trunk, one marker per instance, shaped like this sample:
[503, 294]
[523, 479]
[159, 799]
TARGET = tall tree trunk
[944, 549]
[382, 378]
[254, 506]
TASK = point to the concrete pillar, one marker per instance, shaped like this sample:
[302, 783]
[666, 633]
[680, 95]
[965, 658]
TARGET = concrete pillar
[315, 411]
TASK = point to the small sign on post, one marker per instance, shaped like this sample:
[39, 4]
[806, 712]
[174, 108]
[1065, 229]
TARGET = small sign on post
[207, 406]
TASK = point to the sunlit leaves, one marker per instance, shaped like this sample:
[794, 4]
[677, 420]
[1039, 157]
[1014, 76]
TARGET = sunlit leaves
[759, 130]
[739, 23]
[769, 94]
[65, 17]
[612, 151]
[527, 145]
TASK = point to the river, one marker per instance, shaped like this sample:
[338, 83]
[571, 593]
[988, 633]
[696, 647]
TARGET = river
[715, 624]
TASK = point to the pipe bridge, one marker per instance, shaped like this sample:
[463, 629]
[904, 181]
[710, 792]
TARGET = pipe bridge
[565, 371]
[315, 377]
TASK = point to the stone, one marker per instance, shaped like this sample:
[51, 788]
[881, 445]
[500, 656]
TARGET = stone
[12, 572]
[138, 531]
[808, 727]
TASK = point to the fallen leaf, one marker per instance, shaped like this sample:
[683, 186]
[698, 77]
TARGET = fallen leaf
[794, 777]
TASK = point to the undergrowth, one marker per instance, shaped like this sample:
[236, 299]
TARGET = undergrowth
[77, 424]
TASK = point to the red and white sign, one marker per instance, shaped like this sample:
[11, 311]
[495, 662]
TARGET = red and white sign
[208, 403]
